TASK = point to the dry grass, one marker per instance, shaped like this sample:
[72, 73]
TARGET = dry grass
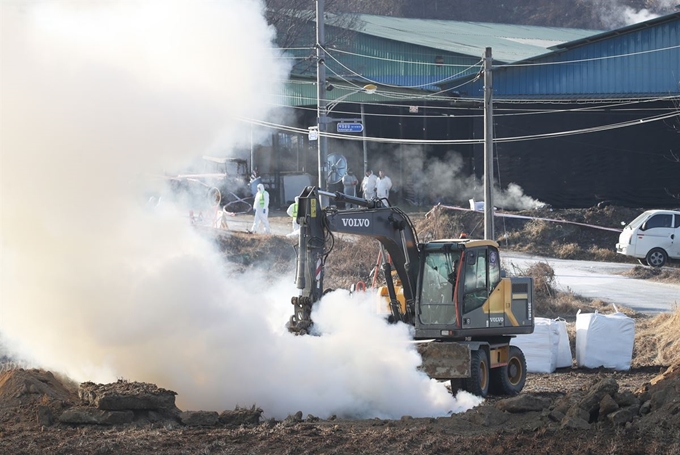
[649, 273]
[353, 259]
[537, 236]
[657, 340]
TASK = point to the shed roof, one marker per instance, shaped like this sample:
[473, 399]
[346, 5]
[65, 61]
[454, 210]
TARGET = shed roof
[510, 43]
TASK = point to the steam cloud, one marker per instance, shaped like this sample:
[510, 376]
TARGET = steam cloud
[97, 97]
[444, 179]
[615, 14]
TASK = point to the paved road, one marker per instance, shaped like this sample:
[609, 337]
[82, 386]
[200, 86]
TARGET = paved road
[603, 280]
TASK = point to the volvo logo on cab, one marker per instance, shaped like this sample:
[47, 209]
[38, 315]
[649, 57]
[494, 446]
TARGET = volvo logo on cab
[360, 222]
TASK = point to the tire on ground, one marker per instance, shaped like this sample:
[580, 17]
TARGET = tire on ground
[478, 382]
[510, 379]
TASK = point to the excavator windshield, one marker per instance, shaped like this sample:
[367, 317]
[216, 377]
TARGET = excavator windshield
[437, 285]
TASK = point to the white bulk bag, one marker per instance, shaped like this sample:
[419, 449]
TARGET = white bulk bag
[564, 357]
[604, 340]
[540, 348]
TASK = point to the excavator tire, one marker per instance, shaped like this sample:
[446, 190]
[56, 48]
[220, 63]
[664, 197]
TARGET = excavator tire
[478, 382]
[510, 379]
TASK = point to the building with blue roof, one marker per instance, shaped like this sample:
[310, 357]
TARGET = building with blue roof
[580, 116]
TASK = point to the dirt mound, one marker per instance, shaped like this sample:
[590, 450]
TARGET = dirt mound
[33, 397]
[27, 387]
[598, 415]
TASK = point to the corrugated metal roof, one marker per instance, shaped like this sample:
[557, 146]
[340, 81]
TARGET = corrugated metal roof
[638, 61]
[510, 43]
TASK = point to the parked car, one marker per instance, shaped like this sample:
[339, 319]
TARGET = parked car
[653, 237]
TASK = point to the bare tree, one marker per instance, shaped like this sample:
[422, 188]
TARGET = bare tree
[294, 20]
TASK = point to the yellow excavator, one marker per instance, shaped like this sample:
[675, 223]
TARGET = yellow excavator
[464, 311]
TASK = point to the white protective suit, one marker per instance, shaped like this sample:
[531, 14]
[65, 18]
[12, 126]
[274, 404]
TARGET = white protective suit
[349, 183]
[368, 185]
[261, 208]
[383, 187]
[292, 212]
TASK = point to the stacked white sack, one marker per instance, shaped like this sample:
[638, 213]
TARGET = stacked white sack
[604, 340]
[564, 356]
[540, 348]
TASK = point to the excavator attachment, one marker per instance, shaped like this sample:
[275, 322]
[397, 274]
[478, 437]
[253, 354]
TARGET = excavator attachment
[442, 360]
[300, 322]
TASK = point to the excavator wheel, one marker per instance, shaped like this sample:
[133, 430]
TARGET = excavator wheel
[478, 382]
[510, 379]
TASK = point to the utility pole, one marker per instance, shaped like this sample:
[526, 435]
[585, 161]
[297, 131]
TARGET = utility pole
[322, 110]
[488, 147]
[363, 133]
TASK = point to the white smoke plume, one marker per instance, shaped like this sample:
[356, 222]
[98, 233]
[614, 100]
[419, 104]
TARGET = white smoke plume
[98, 96]
[615, 14]
[445, 180]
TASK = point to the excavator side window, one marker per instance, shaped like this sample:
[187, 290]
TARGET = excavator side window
[494, 269]
[438, 282]
[475, 291]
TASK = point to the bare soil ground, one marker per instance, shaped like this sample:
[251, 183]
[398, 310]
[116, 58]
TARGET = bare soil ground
[573, 410]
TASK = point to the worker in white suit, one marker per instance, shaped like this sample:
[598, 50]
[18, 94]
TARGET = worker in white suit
[368, 185]
[261, 207]
[383, 185]
[292, 212]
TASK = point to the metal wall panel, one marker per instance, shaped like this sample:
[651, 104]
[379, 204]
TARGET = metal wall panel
[645, 62]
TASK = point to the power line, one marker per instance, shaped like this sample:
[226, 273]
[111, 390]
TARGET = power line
[597, 107]
[409, 62]
[558, 134]
[567, 62]
[428, 95]
[533, 100]
[629, 54]
[391, 85]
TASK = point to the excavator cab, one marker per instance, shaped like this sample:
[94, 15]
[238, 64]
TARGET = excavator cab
[460, 292]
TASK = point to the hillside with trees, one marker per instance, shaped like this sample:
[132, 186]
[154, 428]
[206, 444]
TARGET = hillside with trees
[584, 14]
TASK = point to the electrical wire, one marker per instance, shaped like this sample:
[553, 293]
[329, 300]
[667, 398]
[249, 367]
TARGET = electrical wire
[391, 85]
[601, 128]
[408, 62]
[396, 95]
[594, 59]
[588, 130]
[433, 95]
[598, 107]
[568, 62]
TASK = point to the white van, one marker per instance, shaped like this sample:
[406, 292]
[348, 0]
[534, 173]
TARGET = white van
[653, 237]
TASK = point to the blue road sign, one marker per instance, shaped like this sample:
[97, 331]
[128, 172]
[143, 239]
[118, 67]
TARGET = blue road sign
[350, 127]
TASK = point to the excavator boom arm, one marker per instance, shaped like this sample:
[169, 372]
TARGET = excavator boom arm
[389, 225]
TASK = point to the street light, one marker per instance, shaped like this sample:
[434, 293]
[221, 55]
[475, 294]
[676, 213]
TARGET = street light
[323, 120]
[369, 89]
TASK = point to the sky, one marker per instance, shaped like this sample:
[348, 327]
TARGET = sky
[97, 99]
